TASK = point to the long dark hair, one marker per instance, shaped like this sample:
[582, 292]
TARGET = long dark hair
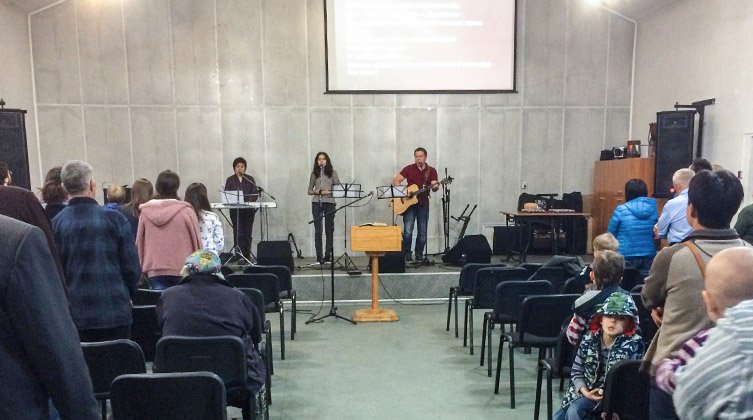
[327, 167]
[196, 196]
[141, 192]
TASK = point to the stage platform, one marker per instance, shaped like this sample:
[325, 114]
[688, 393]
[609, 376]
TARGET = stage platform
[419, 283]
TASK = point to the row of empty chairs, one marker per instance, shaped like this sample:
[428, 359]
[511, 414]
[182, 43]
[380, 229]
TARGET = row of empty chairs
[118, 372]
[537, 303]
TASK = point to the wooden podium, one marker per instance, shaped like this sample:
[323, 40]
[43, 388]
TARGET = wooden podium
[375, 241]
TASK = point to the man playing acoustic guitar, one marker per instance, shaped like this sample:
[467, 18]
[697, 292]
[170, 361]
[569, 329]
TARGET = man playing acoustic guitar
[420, 177]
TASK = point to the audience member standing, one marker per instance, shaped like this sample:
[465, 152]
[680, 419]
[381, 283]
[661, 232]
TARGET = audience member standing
[716, 382]
[99, 257]
[141, 192]
[23, 205]
[54, 196]
[744, 224]
[673, 287]
[633, 225]
[673, 224]
[168, 232]
[40, 353]
[210, 227]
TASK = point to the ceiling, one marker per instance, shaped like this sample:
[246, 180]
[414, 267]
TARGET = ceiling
[634, 9]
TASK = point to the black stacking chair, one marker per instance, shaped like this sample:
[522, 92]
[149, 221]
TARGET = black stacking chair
[107, 360]
[645, 321]
[631, 278]
[226, 271]
[169, 396]
[555, 275]
[287, 292]
[558, 366]
[145, 331]
[146, 297]
[508, 302]
[268, 284]
[626, 391]
[637, 289]
[487, 280]
[262, 334]
[531, 268]
[466, 286]
[573, 286]
[224, 356]
[540, 323]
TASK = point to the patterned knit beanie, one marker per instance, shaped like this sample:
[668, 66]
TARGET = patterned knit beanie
[202, 262]
[617, 303]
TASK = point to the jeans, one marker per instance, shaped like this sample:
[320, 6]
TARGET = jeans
[580, 409]
[420, 215]
[660, 405]
[163, 282]
[317, 210]
[642, 264]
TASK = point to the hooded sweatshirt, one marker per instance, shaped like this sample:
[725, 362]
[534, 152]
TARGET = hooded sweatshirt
[168, 233]
[718, 382]
[587, 368]
[633, 225]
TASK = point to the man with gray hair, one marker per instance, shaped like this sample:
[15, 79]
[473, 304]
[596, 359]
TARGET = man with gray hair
[673, 223]
[99, 257]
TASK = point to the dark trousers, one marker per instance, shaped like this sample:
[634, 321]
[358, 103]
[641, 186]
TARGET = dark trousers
[245, 224]
[660, 405]
[163, 282]
[420, 215]
[319, 211]
[104, 334]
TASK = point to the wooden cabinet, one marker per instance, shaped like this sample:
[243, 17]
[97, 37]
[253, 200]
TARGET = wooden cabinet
[610, 177]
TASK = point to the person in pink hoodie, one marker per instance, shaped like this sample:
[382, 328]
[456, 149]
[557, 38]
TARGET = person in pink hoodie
[168, 233]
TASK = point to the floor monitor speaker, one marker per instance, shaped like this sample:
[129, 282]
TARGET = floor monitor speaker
[275, 253]
[469, 249]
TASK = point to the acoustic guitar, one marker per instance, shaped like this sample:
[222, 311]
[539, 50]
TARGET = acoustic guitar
[400, 205]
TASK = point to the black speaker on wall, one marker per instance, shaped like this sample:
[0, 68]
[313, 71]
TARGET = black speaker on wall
[469, 249]
[13, 149]
[275, 253]
[674, 148]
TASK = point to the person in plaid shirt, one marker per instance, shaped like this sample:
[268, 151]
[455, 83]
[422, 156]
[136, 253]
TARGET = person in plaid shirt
[99, 258]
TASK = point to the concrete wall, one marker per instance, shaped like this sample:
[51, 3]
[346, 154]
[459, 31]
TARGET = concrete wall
[16, 86]
[695, 50]
[139, 86]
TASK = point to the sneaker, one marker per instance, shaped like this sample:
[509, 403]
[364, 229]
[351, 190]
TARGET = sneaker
[408, 257]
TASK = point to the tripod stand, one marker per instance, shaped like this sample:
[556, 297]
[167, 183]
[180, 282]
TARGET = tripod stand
[235, 202]
[446, 212]
[333, 308]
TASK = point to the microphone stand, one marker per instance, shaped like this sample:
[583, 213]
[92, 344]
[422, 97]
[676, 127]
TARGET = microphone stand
[333, 308]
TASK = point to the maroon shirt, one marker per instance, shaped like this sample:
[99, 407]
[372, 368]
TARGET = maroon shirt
[413, 175]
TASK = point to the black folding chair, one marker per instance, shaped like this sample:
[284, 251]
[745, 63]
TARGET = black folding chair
[531, 268]
[645, 321]
[558, 366]
[268, 284]
[626, 391]
[287, 292]
[169, 396]
[107, 360]
[224, 356]
[631, 278]
[540, 323]
[146, 297]
[508, 302]
[487, 280]
[466, 286]
[555, 275]
[262, 334]
[145, 330]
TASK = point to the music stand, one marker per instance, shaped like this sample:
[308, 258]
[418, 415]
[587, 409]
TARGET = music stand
[234, 200]
[333, 308]
[346, 191]
[390, 192]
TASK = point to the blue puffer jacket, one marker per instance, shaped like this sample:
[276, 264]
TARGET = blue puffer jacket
[633, 225]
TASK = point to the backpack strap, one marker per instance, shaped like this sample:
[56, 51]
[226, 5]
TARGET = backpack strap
[697, 256]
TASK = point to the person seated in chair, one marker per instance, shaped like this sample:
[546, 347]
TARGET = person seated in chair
[203, 304]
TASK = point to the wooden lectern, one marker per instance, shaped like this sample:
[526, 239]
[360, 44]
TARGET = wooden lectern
[375, 241]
